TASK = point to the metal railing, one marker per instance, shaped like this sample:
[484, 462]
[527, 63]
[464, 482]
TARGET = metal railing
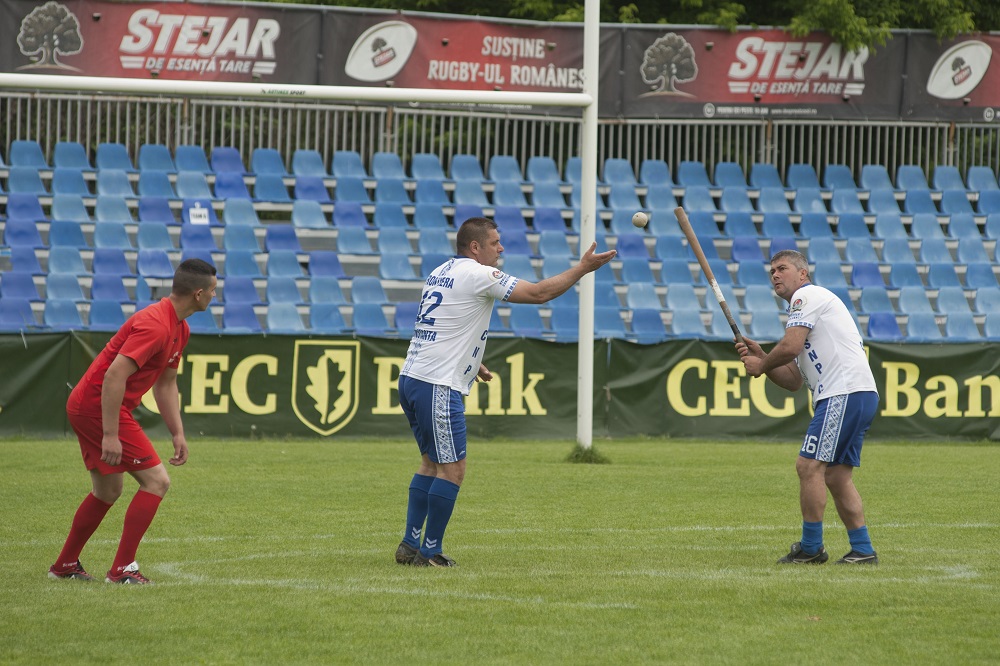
[367, 129]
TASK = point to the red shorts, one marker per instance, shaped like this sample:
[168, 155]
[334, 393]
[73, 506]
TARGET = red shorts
[137, 451]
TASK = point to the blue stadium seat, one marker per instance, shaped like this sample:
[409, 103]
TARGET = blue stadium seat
[758, 298]
[71, 155]
[465, 211]
[989, 202]
[65, 259]
[954, 202]
[395, 241]
[326, 318]
[647, 325]
[643, 295]
[923, 327]
[549, 219]
[22, 233]
[113, 156]
[779, 243]
[866, 274]
[934, 250]
[203, 322]
[874, 299]
[155, 209]
[911, 177]
[952, 300]
[655, 172]
[392, 190]
[609, 324]
[197, 237]
[622, 196]
[105, 315]
[25, 180]
[814, 225]
[859, 250]
[505, 168]
[16, 314]
[801, 176]
[838, 176]
[636, 270]
[978, 276]
[897, 251]
[875, 177]
[698, 198]
[112, 209]
[230, 185]
[155, 157]
[284, 317]
[746, 248]
[348, 164]
[852, 225]
[948, 178]
[190, 185]
[27, 153]
[719, 328]
[387, 165]
[470, 192]
[281, 237]
[109, 286]
[389, 215]
[226, 159]
[991, 326]
[155, 184]
[240, 318]
[153, 236]
[349, 214]
[692, 173]
[367, 289]
[369, 320]
[284, 262]
[542, 169]
[735, 199]
[69, 181]
[729, 174]
[312, 188]
[913, 299]
[663, 223]
[919, 201]
[267, 161]
[309, 215]
[239, 289]
[926, 225]
[24, 259]
[981, 179]
[883, 326]
[111, 235]
[18, 285]
[309, 163]
[829, 275]
[68, 234]
[404, 318]
[573, 170]
[427, 166]
[809, 200]
[970, 251]
[465, 167]
[822, 249]
[510, 219]
[682, 297]
[773, 200]
[764, 175]
[431, 191]
[942, 274]
[526, 320]
[963, 225]
[660, 198]
[752, 272]
[846, 201]
[766, 326]
[889, 225]
[350, 188]
[619, 171]
[154, 264]
[962, 327]
[242, 264]
[630, 245]
[325, 289]
[63, 286]
[429, 216]
[62, 315]
[199, 211]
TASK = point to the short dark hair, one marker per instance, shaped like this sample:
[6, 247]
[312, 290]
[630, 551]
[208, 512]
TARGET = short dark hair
[192, 275]
[794, 257]
[473, 229]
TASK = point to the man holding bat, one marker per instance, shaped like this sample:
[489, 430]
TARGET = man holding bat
[822, 348]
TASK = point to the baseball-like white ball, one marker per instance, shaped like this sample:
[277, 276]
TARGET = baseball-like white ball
[640, 219]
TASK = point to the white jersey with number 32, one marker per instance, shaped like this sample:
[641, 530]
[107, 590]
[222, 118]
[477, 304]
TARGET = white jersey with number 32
[833, 361]
[453, 322]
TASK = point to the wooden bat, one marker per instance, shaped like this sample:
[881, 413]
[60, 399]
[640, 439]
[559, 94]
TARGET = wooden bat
[685, 223]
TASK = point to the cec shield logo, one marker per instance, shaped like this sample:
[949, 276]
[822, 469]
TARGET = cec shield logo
[325, 383]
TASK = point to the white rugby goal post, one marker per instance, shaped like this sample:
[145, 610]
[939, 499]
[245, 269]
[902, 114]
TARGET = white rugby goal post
[587, 100]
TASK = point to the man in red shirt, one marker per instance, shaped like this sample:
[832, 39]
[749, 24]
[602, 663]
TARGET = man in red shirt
[145, 353]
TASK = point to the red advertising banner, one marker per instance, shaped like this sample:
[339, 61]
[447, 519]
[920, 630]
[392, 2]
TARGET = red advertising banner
[185, 41]
[954, 79]
[757, 74]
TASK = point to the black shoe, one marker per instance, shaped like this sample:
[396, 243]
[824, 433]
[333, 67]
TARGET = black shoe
[854, 557]
[798, 556]
[437, 560]
[405, 553]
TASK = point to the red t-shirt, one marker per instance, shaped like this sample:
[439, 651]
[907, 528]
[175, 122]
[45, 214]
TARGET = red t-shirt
[154, 338]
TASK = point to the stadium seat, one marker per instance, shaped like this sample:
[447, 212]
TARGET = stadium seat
[663, 223]
[961, 327]
[111, 261]
[643, 295]
[635, 270]
[889, 225]
[952, 300]
[875, 299]
[954, 202]
[989, 202]
[353, 240]
[429, 216]
[622, 196]
[309, 163]
[392, 190]
[16, 314]
[396, 266]
[766, 326]
[897, 251]
[764, 175]
[153, 236]
[542, 169]
[27, 153]
[389, 215]
[773, 200]
[981, 179]
[240, 318]
[427, 166]
[911, 177]
[510, 219]
[197, 237]
[963, 225]
[105, 315]
[369, 319]
[267, 161]
[112, 209]
[859, 250]
[875, 177]
[660, 198]
[746, 248]
[113, 156]
[549, 219]
[619, 171]
[240, 289]
[822, 249]
[752, 272]
[326, 318]
[281, 237]
[69, 181]
[801, 176]
[404, 318]
[284, 262]
[154, 264]
[24, 259]
[387, 165]
[609, 324]
[735, 199]
[68, 234]
[758, 298]
[629, 245]
[284, 318]
[698, 198]
[62, 315]
[71, 155]
[155, 209]
[325, 289]
[526, 320]
[866, 274]
[25, 180]
[882, 326]
[655, 172]
[189, 157]
[779, 243]
[18, 285]
[312, 188]
[934, 250]
[155, 157]
[465, 211]
[155, 184]
[199, 211]
[846, 201]
[431, 191]
[739, 224]
[729, 174]
[682, 297]
[350, 188]
[923, 327]
[991, 326]
[829, 275]
[22, 233]
[942, 274]
[350, 214]
[692, 173]
[470, 192]
[109, 286]
[814, 225]
[978, 276]
[190, 185]
[919, 201]
[241, 263]
[947, 178]
[64, 259]
[913, 299]
[809, 200]
[647, 326]
[852, 225]
[203, 322]
[466, 167]
[970, 251]
[226, 159]
[348, 164]
[505, 169]
[838, 176]
[926, 225]
[230, 185]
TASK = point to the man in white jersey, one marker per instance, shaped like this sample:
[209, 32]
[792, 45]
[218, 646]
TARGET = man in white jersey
[444, 359]
[822, 348]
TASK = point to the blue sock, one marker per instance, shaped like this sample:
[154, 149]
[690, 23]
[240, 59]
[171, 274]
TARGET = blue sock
[416, 509]
[812, 536]
[860, 541]
[440, 503]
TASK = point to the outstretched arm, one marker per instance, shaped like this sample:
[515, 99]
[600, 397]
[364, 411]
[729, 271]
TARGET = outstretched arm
[557, 285]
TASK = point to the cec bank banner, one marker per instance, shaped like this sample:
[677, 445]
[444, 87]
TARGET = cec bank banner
[245, 386]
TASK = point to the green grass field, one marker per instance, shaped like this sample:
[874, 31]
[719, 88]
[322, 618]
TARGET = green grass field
[281, 552]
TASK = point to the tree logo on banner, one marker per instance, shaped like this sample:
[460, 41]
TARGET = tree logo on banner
[669, 60]
[325, 383]
[50, 30]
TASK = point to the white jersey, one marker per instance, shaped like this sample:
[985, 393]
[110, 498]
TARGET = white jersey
[453, 322]
[833, 361]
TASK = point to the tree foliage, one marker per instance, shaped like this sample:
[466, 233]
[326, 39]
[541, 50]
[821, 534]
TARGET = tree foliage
[852, 23]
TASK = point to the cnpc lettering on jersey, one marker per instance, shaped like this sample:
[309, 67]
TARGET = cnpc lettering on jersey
[201, 36]
[329, 380]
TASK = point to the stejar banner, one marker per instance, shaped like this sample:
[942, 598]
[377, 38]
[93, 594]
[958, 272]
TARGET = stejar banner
[178, 41]
[760, 74]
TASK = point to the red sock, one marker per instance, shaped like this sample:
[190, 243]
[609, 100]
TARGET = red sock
[85, 522]
[141, 511]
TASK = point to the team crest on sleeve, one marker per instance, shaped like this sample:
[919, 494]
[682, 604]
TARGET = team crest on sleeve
[325, 382]
[798, 304]
[497, 274]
